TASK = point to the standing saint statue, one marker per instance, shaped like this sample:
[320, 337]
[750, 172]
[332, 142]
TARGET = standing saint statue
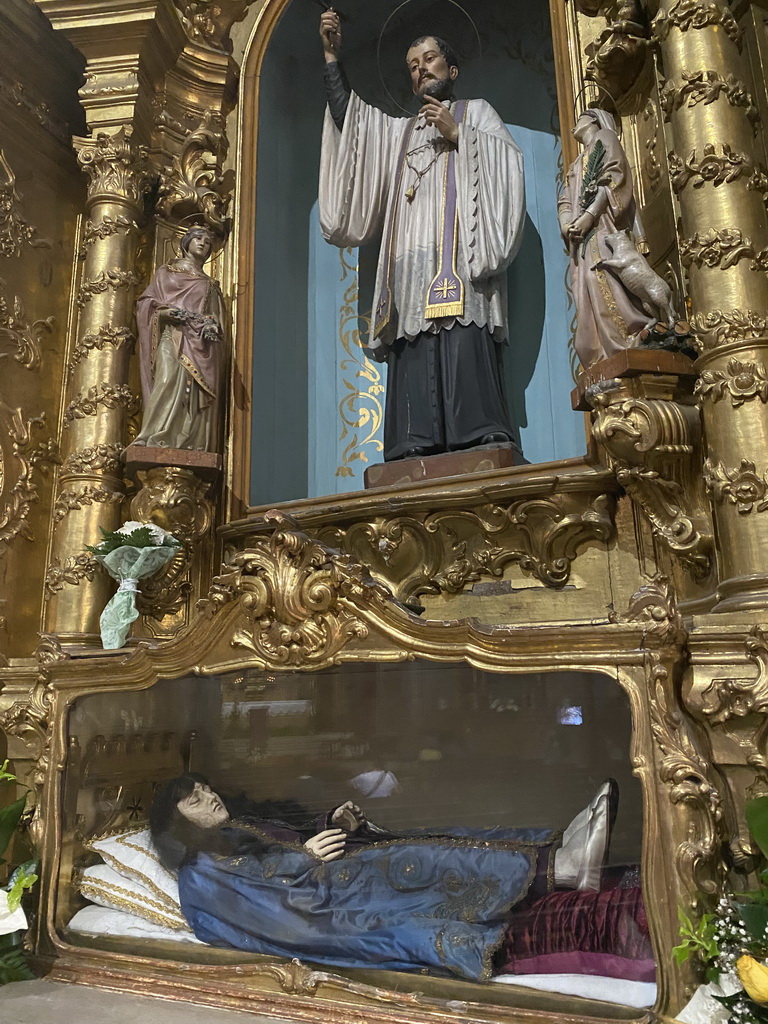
[597, 215]
[446, 189]
[181, 318]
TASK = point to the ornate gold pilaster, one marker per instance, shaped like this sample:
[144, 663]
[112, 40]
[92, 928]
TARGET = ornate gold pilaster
[98, 404]
[713, 123]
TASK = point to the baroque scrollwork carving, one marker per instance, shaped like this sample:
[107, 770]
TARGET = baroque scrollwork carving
[210, 23]
[689, 777]
[175, 499]
[117, 337]
[114, 164]
[114, 278]
[742, 381]
[650, 443]
[193, 183]
[655, 606]
[722, 249]
[618, 56]
[15, 231]
[19, 457]
[297, 596]
[444, 551]
[72, 500]
[24, 337]
[716, 168]
[741, 485]
[695, 14]
[109, 395]
[705, 87]
[725, 699]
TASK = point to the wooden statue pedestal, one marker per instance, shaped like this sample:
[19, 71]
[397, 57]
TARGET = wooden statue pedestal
[206, 465]
[634, 362]
[481, 459]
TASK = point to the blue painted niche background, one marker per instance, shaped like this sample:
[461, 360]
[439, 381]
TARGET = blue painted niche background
[318, 401]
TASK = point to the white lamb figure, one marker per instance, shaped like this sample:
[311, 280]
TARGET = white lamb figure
[637, 276]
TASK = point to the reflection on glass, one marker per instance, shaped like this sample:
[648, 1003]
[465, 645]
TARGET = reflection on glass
[410, 817]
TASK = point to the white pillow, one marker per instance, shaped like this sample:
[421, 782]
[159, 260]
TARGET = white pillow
[132, 854]
[103, 921]
[103, 885]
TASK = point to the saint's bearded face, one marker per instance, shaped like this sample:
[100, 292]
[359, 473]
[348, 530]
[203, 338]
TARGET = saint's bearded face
[429, 71]
[203, 807]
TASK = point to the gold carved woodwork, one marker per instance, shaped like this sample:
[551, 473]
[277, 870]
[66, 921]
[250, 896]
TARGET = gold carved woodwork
[718, 169]
[70, 572]
[696, 14]
[106, 227]
[444, 551]
[101, 458]
[175, 499]
[736, 325]
[116, 337]
[210, 21]
[723, 248]
[740, 485]
[110, 396]
[113, 278]
[19, 458]
[193, 182]
[741, 380]
[115, 165]
[705, 87]
[618, 57]
[651, 434]
[15, 231]
[72, 500]
[25, 337]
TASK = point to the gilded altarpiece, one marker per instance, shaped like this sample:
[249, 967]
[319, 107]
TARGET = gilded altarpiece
[644, 561]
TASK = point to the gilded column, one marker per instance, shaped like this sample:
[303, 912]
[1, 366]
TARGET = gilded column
[724, 246]
[98, 400]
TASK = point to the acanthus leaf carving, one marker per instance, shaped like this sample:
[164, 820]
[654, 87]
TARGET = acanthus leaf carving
[114, 278]
[618, 57]
[210, 22]
[193, 183]
[736, 325]
[105, 228]
[654, 605]
[114, 164]
[25, 338]
[69, 572]
[73, 500]
[15, 231]
[98, 458]
[725, 699]
[650, 442]
[297, 596]
[445, 551]
[742, 381]
[18, 490]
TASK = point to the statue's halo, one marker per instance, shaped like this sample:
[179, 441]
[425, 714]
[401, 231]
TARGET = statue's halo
[581, 102]
[387, 23]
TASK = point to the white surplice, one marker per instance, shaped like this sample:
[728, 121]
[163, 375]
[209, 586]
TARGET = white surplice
[358, 178]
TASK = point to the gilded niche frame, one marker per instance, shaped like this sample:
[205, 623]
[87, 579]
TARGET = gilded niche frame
[243, 268]
[290, 602]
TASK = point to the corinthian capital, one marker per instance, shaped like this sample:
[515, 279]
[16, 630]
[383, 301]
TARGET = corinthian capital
[115, 165]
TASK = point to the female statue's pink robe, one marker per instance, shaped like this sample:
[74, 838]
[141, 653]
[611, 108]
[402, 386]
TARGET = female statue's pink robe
[180, 369]
[608, 315]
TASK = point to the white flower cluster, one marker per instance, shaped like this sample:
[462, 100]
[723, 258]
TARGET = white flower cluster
[157, 532]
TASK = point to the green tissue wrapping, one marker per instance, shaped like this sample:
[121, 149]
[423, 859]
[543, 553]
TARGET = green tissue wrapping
[128, 565]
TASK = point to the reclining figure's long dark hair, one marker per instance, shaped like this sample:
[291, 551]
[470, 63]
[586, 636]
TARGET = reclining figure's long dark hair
[177, 839]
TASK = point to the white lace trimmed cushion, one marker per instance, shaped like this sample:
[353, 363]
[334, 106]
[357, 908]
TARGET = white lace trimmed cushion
[132, 854]
[102, 885]
[119, 924]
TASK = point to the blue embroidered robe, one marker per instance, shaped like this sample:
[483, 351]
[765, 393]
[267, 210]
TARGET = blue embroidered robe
[419, 901]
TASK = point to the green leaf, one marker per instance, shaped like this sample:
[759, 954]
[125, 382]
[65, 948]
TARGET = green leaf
[757, 818]
[755, 918]
[13, 966]
[24, 877]
[5, 775]
[9, 821]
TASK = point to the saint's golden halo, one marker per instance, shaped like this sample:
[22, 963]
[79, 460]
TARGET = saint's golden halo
[453, 3]
[197, 220]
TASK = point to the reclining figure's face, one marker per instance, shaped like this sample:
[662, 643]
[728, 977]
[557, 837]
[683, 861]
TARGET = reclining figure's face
[203, 807]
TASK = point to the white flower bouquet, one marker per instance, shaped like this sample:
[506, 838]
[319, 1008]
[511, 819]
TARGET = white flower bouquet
[130, 554]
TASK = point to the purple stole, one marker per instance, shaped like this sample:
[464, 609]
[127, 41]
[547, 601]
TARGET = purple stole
[445, 295]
